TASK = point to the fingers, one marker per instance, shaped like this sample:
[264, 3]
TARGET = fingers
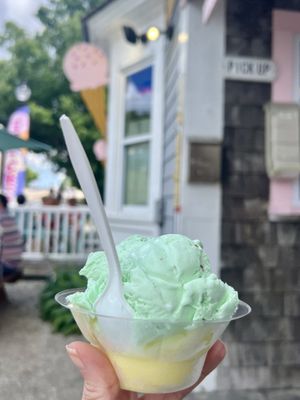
[100, 380]
[213, 359]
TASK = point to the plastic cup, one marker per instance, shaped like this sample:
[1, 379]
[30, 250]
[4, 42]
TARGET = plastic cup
[151, 356]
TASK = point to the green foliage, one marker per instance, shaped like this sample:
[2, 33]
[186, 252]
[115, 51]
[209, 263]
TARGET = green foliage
[37, 60]
[31, 175]
[59, 317]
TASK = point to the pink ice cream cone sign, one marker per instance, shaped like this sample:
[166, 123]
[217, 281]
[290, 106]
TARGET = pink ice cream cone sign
[100, 150]
[85, 66]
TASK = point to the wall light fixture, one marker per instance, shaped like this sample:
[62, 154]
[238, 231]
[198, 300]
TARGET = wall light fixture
[151, 35]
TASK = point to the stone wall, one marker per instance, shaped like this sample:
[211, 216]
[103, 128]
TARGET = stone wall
[260, 258]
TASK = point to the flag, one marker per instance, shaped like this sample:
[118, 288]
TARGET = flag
[15, 169]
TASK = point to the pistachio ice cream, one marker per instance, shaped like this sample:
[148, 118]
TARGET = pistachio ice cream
[163, 277]
[179, 309]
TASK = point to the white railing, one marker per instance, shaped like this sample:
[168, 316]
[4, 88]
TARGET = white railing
[56, 232]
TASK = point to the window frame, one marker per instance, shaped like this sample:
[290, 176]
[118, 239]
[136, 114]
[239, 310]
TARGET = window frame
[145, 212]
[126, 59]
[127, 141]
[296, 95]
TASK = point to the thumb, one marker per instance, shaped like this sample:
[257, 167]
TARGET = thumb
[100, 380]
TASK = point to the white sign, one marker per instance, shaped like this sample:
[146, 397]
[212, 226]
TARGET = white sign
[249, 69]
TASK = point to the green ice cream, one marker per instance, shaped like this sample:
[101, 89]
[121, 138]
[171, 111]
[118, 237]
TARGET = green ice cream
[168, 277]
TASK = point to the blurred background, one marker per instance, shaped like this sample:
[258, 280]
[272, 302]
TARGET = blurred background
[189, 113]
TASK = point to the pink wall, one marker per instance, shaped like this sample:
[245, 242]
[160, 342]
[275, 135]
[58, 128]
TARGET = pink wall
[286, 25]
[283, 56]
[281, 198]
[286, 20]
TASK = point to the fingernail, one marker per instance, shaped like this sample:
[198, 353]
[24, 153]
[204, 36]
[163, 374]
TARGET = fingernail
[73, 354]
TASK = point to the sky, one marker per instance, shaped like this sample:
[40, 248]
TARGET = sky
[47, 177]
[21, 12]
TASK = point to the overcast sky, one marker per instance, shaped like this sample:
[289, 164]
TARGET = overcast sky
[20, 11]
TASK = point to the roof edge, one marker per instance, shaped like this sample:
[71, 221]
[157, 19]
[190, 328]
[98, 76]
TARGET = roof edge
[84, 20]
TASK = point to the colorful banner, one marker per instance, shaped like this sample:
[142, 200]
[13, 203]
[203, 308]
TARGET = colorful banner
[15, 169]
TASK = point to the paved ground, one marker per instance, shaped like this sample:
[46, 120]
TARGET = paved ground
[286, 394]
[33, 362]
[34, 365]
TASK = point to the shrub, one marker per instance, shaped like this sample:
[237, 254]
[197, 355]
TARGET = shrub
[59, 317]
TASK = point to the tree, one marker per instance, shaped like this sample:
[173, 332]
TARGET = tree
[31, 175]
[37, 60]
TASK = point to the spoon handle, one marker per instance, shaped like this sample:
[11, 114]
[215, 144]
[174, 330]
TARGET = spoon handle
[89, 187]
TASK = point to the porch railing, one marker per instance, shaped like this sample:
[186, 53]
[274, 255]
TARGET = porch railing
[56, 232]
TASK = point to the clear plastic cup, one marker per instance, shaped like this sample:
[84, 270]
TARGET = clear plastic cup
[151, 356]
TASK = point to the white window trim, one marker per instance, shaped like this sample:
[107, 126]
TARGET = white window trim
[297, 68]
[153, 56]
[143, 138]
[296, 183]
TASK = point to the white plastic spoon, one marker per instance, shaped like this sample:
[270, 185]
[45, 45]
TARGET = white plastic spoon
[112, 301]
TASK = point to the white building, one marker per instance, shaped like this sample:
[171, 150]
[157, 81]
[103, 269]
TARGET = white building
[165, 109]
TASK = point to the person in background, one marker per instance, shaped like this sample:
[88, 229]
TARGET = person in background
[11, 244]
[21, 199]
[22, 219]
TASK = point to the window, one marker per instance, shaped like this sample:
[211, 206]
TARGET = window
[137, 137]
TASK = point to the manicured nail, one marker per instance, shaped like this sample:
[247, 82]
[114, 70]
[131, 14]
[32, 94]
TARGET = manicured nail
[73, 354]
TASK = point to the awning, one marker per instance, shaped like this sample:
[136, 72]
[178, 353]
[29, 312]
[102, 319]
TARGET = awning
[9, 142]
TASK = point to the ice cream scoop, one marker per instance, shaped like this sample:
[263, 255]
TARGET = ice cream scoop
[166, 277]
[111, 302]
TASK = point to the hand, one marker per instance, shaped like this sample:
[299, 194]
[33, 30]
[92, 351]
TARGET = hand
[101, 382]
